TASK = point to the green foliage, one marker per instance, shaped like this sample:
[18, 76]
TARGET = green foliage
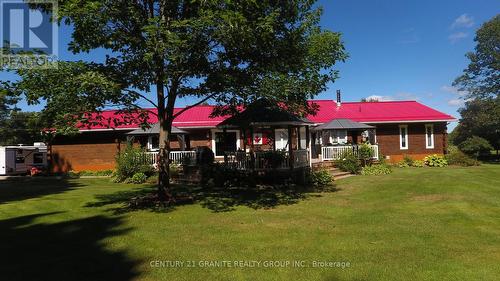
[365, 153]
[457, 157]
[406, 162]
[320, 178]
[475, 146]
[17, 127]
[378, 169]
[349, 163]
[480, 82]
[96, 173]
[274, 159]
[403, 164]
[480, 78]
[138, 178]
[435, 161]
[479, 117]
[418, 163]
[129, 162]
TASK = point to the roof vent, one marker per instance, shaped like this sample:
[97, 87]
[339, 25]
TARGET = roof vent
[338, 98]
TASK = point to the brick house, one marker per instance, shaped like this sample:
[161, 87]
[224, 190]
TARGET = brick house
[395, 129]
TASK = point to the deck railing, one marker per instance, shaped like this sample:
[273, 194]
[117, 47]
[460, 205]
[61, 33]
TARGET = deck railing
[266, 160]
[336, 152]
[176, 157]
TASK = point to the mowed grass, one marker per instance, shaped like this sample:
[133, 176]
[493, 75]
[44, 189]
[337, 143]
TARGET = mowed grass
[415, 224]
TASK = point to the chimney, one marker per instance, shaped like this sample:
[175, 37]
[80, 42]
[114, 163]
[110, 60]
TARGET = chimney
[338, 98]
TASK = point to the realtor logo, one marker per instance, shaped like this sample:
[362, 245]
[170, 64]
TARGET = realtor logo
[28, 36]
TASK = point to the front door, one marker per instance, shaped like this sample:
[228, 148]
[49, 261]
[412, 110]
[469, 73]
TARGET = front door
[227, 144]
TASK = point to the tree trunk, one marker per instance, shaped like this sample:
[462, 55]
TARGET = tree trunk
[165, 118]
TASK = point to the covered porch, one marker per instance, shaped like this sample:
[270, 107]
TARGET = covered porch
[273, 139]
[148, 138]
[341, 136]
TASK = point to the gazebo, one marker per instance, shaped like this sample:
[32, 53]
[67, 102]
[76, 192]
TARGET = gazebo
[273, 138]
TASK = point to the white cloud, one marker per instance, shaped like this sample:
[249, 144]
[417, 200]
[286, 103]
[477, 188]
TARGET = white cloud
[463, 21]
[397, 96]
[456, 102]
[453, 90]
[380, 98]
[457, 36]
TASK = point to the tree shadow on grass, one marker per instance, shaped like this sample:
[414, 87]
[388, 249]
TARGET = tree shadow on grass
[68, 250]
[21, 188]
[217, 199]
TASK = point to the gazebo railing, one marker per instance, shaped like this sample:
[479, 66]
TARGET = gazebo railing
[266, 160]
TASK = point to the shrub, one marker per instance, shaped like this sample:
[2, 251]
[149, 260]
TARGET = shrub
[138, 178]
[406, 162]
[475, 146]
[130, 162]
[418, 163]
[435, 161]
[457, 157]
[96, 173]
[402, 164]
[379, 169]
[365, 153]
[321, 178]
[348, 163]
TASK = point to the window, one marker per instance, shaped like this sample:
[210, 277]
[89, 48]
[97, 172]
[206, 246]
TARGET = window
[19, 159]
[38, 158]
[403, 137]
[429, 136]
[281, 136]
[230, 143]
[153, 143]
[338, 136]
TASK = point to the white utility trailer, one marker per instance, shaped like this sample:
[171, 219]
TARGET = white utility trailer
[19, 159]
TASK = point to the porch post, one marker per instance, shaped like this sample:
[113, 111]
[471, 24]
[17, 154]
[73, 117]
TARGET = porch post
[244, 134]
[224, 144]
[290, 150]
[308, 146]
[299, 139]
[252, 156]
[273, 129]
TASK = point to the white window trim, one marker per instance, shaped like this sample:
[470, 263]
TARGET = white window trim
[220, 131]
[337, 139]
[149, 144]
[427, 137]
[280, 140]
[406, 137]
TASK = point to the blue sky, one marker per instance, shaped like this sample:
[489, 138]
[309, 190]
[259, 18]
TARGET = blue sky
[399, 50]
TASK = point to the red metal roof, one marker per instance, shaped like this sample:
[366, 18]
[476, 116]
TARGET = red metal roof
[367, 112]
[377, 112]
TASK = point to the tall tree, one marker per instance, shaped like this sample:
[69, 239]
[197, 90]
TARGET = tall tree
[481, 78]
[481, 82]
[221, 50]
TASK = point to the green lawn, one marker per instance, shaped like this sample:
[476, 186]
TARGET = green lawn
[415, 224]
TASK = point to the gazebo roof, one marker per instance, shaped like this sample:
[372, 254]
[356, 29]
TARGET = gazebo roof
[263, 113]
[343, 124]
[154, 130]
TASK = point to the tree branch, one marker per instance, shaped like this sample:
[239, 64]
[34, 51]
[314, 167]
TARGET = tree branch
[143, 96]
[195, 104]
